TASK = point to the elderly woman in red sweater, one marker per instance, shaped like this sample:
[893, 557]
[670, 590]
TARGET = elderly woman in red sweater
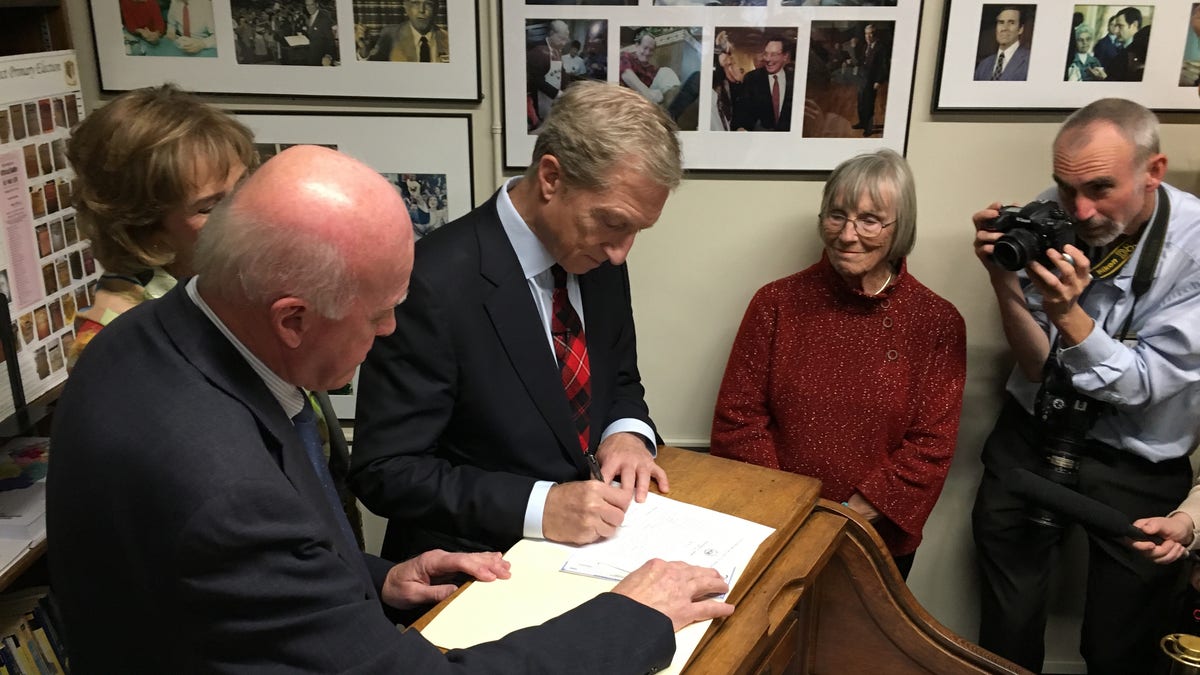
[851, 370]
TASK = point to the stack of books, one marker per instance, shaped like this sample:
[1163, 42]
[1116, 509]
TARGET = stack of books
[30, 643]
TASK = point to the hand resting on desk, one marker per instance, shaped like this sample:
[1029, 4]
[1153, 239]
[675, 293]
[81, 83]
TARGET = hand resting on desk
[412, 582]
[677, 589]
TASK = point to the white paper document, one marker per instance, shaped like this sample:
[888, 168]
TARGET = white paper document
[539, 590]
[664, 528]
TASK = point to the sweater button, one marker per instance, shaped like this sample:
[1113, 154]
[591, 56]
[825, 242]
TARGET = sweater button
[887, 322]
[892, 355]
[887, 302]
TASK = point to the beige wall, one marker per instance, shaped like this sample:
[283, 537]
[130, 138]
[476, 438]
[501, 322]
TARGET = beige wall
[720, 238]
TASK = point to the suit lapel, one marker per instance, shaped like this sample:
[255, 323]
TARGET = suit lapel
[519, 330]
[199, 341]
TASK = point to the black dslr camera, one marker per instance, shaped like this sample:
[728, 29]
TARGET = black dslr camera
[1066, 417]
[1029, 231]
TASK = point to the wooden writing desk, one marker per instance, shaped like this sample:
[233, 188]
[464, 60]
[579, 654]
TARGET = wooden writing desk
[820, 597]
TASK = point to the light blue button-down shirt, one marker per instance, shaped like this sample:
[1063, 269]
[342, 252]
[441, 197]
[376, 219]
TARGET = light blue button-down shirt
[1152, 379]
[536, 262]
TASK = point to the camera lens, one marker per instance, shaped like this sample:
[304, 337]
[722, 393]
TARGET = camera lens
[1016, 249]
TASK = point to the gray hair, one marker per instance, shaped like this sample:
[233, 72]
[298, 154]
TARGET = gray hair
[1084, 29]
[593, 127]
[881, 176]
[241, 255]
[1133, 121]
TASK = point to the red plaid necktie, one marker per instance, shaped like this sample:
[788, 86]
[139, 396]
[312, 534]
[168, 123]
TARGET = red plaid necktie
[570, 350]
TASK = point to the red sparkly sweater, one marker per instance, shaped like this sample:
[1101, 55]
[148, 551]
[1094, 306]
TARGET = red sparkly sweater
[862, 392]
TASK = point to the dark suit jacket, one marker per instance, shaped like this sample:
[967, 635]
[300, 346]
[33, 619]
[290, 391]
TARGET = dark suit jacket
[320, 38]
[401, 35]
[189, 533]
[1016, 70]
[875, 64]
[462, 409]
[1130, 63]
[753, 111]
[1106, 50]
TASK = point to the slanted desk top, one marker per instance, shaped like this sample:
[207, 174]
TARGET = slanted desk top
[821, 595]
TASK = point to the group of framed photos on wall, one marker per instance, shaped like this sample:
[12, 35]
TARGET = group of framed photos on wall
[1064, 54]
[757, 85]
[754, 85]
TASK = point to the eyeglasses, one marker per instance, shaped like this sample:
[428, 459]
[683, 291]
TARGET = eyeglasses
[867, 226]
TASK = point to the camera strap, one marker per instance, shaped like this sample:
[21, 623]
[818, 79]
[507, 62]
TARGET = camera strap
[1143, 275]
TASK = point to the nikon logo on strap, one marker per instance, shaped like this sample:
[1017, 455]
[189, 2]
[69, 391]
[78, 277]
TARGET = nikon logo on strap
[1115, 260]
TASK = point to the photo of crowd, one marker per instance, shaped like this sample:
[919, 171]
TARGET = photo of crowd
[425, 196]
[412, 31]
[169, 28]
[557, 53]
[286, 32]
[662, 63]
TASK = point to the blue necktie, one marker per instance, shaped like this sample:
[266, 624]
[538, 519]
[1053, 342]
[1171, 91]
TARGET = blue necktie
[306, 426]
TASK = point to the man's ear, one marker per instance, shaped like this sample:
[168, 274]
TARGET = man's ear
[1156, 171]
[291, 318]
[549, 177]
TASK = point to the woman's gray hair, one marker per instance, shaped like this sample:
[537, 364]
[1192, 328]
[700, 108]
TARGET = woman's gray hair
[239, 256]
[883, 177]
[1133, 121]
[1083, 29]
[593, 127]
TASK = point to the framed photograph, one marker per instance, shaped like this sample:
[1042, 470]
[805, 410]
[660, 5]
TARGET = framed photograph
[1061, 55]
[786, 85]
[426, 157]
[404, 49]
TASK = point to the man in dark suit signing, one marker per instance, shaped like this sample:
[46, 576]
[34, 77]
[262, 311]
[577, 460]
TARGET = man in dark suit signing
[189, 507]
[515, 359]
[766, 100]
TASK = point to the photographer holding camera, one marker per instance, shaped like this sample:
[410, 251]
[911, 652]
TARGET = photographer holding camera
[1104, 395]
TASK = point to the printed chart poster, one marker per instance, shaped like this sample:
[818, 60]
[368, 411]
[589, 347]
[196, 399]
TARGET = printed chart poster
[46, 268]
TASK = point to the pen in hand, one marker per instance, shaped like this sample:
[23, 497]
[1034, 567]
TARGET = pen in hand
[594, 465]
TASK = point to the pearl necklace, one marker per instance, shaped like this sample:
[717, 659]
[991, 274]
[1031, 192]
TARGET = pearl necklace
[885, 285]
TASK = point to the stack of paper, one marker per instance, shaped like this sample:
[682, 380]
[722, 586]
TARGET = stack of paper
[23, 512]
[549, 579]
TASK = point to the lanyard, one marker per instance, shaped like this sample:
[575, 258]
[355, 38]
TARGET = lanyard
[1143, 275]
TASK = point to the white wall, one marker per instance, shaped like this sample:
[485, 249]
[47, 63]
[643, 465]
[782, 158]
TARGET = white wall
[720, 238]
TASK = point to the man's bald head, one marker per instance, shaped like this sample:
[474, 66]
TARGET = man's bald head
[306, 262]
[312, 222]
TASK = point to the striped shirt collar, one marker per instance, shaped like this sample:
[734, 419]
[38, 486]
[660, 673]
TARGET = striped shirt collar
[290, 397]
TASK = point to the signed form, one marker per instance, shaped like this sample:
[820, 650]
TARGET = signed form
[664, 528]
[539, 590]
